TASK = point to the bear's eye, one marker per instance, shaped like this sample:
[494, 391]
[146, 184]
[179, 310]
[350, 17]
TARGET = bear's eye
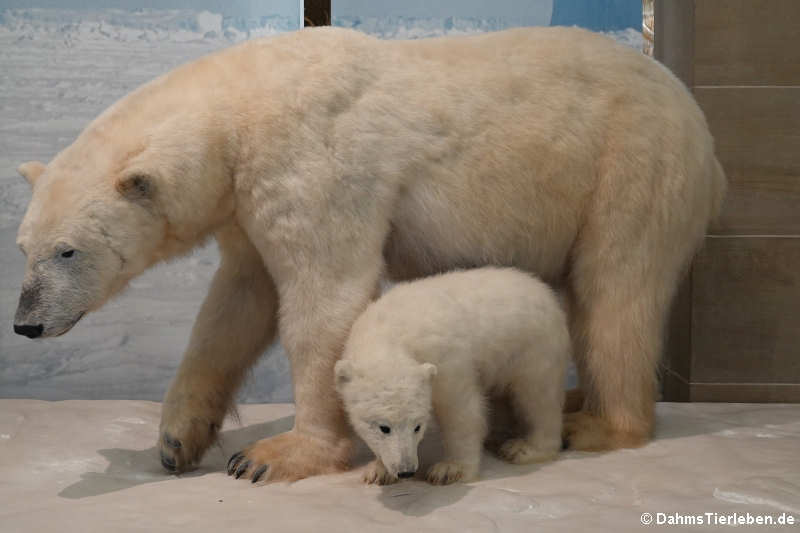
[416, 429]
[68, 253]
[386, 429]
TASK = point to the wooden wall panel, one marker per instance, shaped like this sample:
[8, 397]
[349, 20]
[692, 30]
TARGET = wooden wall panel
[757, 135]
[673, 46]
[674, 37]
[746, 311]
[741, 59]
[317, 12]
[676, 361]
[760, 204]
[747, 42]
[745, 392]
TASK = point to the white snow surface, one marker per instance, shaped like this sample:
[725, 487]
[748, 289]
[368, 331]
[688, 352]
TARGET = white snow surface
[86, 466]
[58, 70]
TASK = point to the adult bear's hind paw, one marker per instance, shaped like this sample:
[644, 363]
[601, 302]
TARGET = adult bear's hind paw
[587, 432]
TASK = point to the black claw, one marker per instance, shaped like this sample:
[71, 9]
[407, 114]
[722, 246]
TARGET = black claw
[242, 469]
[565, 443]
[233, 462]
[259, 472]
[172, 442]
[168, 462]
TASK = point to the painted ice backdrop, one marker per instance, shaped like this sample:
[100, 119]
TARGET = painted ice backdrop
[415, 19]
[61, 66]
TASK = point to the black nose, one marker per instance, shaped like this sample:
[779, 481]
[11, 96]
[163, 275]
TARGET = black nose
[29, 331]
[405, 475]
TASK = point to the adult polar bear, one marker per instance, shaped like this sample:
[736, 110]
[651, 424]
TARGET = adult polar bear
[322, 158]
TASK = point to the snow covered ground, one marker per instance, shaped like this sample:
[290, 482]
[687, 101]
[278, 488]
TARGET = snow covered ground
[58, 70]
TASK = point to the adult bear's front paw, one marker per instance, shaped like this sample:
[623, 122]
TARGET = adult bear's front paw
[184, 439]
[288, 457]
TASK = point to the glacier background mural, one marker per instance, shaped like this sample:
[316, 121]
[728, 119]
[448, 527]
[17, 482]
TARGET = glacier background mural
[63, 61]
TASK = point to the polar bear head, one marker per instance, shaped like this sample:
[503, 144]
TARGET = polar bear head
[389, 407]
[132, 190]
[82, 244]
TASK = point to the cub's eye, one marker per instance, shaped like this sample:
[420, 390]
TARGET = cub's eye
[386, 429]
[68, 253]
[416, 429]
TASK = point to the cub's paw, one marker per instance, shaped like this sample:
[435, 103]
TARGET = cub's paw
[520, 451]
[447, 472]
[182, 443]
[289, 457]
[376, 474]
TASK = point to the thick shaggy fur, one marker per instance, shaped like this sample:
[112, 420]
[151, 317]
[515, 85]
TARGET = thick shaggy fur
[322, 158]
[450, 342]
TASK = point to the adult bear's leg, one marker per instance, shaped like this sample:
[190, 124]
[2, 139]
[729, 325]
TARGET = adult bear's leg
[636, 243]
[236, 323]
[324, 252]
[317, 311]
[617, 340]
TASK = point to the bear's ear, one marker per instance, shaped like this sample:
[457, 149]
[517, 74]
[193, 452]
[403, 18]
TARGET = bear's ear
[31, 171]
[343, 371]
[428, 370]
[136, 187]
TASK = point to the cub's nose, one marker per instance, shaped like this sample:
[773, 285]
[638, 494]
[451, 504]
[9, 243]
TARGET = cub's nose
[405, 475]
[29, 331]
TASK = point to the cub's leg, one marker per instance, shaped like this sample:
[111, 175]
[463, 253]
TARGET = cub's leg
[236, 323]
[462, 416]
[537, 395]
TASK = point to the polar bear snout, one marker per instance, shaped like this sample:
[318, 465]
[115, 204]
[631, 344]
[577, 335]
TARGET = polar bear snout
[404, 466]
[25, 322]
[29, 331]
[44, 311]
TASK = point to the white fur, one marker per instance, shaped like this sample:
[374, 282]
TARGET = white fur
[322, 158]
[480, 332]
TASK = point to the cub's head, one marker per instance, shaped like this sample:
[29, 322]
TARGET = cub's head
[389, 407]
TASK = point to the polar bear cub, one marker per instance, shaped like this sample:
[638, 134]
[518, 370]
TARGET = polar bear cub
[446, 344]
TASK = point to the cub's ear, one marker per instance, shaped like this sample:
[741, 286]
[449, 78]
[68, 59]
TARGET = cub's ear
[137, 187]
[31, 171]
[428, 370]
[343, 371]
